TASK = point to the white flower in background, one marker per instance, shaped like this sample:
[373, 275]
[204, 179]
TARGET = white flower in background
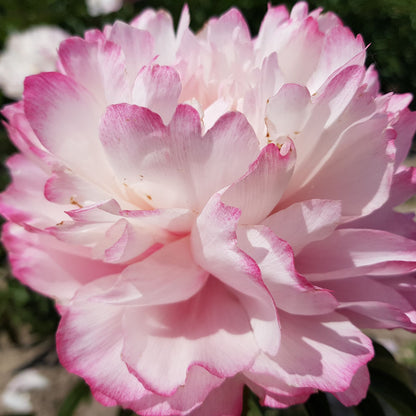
[28, 53]
[16, 397]
[97, 7]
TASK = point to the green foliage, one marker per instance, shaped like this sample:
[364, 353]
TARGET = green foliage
[391, 383]
[79, 393]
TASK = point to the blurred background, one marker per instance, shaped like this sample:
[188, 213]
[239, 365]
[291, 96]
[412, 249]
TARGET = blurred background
[28, 321]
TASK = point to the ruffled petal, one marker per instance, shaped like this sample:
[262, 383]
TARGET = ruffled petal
[89, 343]
[163, 342]
[322, 352]
[48, 266]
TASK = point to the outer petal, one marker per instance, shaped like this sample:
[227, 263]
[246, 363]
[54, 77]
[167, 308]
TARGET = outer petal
[62, 114]
[215, 248]
[49, 266]
[108, 377]
[23, 202]
[89, 343]
[274, 391]
[163, 342]
[357, 390]
[322, 352]
[199, 383]
[22, 135]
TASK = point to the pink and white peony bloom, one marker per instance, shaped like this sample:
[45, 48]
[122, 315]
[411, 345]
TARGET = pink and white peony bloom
[27, 53]
[214, 210]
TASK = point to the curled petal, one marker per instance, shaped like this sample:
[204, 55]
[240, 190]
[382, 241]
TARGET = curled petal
[304, 222]
[259, 190]
[291, 291]
[215, 248]
[353, 252]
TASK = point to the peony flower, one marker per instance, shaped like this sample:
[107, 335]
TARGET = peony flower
[97, 7]
[213, 210]
[27, 53]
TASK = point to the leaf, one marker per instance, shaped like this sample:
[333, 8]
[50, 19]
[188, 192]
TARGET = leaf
[252, 407]
[80, 392]
[393, 391]
[298, 410]
[318, 405]
[370, 406]
[385, 362]
[125, 412]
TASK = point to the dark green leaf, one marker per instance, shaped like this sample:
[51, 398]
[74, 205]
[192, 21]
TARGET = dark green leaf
[253, 408]
[370, 406]
[79, 393]
[298, 410]
[384, 362]
[317, 405]
[125, 412]
[394, 392]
